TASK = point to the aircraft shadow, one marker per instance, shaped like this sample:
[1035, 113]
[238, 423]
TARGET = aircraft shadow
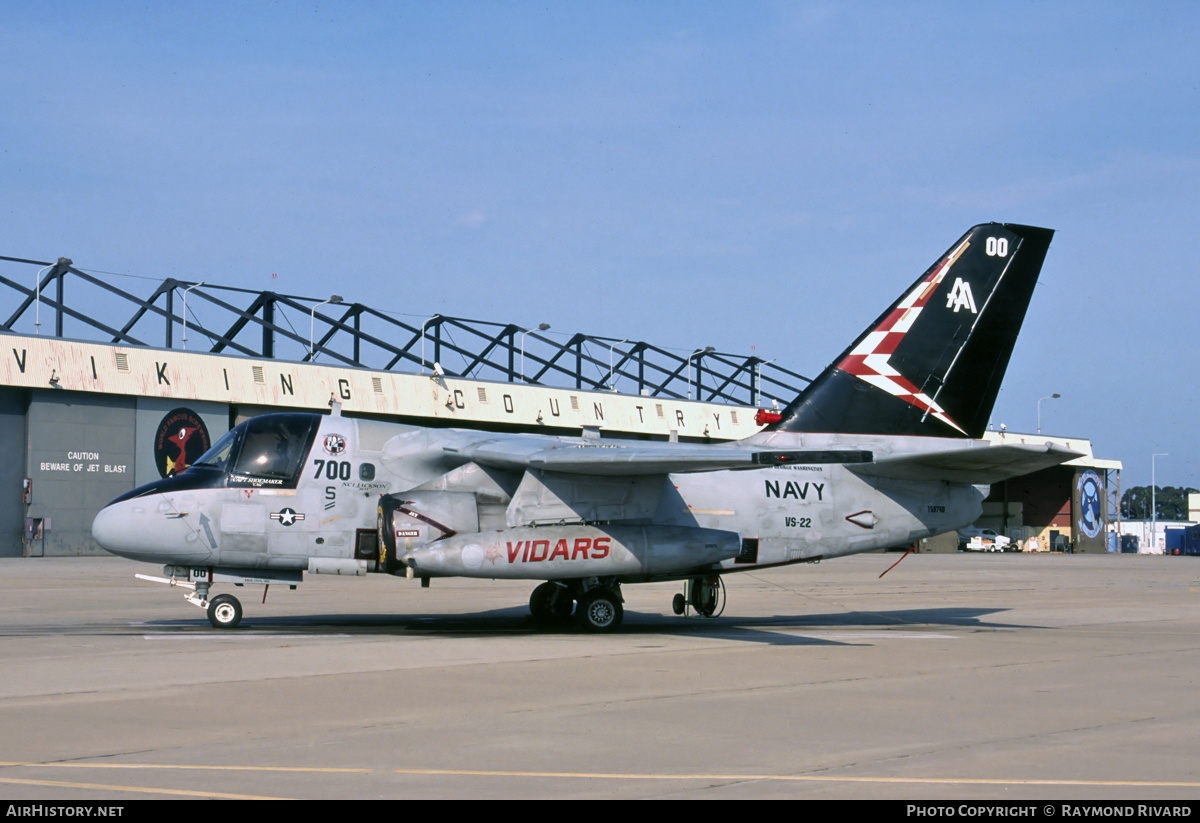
[778, 630]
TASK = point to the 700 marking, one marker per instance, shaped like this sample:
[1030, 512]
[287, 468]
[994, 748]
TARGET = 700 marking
[332, 469]
[798, 522]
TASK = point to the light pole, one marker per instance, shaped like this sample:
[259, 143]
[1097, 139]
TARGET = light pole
[612, 381]
[758, 379]
[312, 320]
[541, 327]
[37, 299]
[701, 353]
[1054, 396]
[185, 291]
[1154, 498]
[423, 327]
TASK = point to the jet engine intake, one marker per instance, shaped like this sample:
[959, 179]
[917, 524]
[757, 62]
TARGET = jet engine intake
[415, 518]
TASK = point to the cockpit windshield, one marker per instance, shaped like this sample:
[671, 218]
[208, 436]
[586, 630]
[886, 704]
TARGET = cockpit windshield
[263, 452]
[218, 456]
[271, 449]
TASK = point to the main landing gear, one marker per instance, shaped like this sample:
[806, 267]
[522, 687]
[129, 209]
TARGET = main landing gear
[551, 603]
[598, 606]
[600, 609]
[706, 595]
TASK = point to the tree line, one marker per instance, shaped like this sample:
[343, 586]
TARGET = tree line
[1171, 502]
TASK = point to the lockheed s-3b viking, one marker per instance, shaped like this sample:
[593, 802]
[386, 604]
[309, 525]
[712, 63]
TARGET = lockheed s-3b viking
[882, 449]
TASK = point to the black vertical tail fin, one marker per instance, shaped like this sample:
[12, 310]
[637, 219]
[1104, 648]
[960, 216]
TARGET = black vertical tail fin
[932, 363]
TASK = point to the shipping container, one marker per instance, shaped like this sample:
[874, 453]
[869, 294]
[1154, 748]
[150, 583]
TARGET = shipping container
[1174, 537]
[1191, 540]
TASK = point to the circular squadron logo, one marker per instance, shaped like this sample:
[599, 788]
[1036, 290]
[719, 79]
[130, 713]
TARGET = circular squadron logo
[180, 439]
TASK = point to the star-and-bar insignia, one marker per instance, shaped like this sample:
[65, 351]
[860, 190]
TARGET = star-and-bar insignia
[286, 517]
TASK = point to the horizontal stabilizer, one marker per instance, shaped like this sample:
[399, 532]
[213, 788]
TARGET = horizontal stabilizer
[980, 465]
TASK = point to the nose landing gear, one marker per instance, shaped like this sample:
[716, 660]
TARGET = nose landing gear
[224, 611]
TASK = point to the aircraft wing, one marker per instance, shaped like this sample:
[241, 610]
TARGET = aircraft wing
[515, 454]
[626, 460]
[977, 466]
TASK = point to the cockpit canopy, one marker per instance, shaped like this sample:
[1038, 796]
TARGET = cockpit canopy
[267, 450]
[263, 452]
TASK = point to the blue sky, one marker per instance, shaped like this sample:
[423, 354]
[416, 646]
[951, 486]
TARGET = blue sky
[758, 174]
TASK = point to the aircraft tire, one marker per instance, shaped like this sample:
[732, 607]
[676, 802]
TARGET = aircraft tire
[224, 611]
[678, 603]
[600, 611]
[706, 595]
[550, 603]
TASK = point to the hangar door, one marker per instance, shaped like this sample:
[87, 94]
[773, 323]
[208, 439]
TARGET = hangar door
[80, 456]
[13, 403]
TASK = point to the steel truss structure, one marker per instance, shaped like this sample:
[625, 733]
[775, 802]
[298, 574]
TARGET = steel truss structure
[263, 324]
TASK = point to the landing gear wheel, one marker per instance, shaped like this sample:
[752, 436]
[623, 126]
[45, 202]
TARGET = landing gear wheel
[704, 594]
[224, 611]
[600, 610]
[551, 603]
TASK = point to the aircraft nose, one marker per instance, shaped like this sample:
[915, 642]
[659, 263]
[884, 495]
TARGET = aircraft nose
[138, 530]
[111, 528]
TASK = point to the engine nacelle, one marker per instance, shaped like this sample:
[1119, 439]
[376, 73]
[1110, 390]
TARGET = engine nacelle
[415, 518]
[575, 551]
